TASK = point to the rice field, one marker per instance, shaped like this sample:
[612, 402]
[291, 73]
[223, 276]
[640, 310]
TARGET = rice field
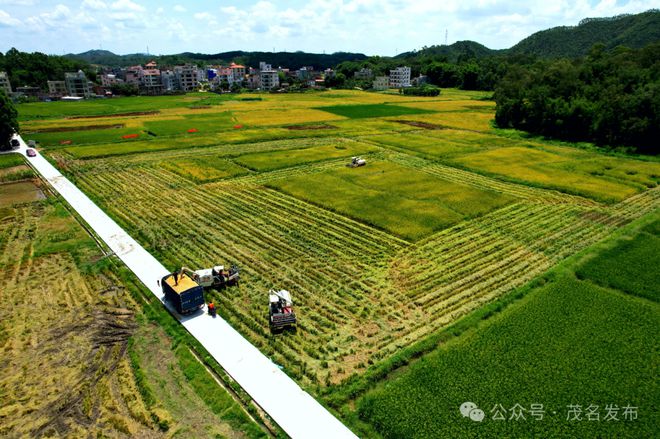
[448, 216]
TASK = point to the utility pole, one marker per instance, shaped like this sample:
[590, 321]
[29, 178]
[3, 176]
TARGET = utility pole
[446, 31]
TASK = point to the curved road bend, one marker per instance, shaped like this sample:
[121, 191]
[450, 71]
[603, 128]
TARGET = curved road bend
[294, 410]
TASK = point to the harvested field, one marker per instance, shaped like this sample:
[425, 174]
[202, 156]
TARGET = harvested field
[20, 192]
[72, 337]
[424, 125]
[311, 127]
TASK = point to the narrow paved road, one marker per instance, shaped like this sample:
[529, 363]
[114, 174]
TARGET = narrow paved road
[294, 410]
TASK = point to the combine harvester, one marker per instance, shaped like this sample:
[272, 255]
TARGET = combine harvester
[357, 162]
[280, 310]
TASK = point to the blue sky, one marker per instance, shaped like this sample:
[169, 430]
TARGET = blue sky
[373, 27]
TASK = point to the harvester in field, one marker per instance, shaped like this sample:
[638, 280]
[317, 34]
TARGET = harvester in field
[280, 310]
[357, 162]
[216, 277]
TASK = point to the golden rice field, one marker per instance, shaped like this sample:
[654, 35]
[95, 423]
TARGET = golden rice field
[449, 213]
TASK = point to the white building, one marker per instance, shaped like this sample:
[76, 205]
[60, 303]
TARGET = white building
[77, 84]
[400, 77]
[381, 83]
[4, 83]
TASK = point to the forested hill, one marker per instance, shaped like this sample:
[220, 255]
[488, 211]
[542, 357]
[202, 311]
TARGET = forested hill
[292, 60]
[634, 31]
[453, 52]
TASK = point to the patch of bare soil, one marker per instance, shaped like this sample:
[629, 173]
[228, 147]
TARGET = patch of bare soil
[103, 116]
[425, 125]
[311, 127]
[76, 128]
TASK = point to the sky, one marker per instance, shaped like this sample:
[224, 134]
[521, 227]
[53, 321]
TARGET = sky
[372, 27]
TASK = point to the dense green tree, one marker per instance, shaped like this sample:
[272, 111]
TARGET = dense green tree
[8, 119]
[611, 98]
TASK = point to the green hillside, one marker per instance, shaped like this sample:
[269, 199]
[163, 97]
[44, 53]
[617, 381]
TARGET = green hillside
[634, 31]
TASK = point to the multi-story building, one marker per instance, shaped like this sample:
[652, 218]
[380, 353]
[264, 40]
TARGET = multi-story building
[186, 77]
[109, 79]
[269, 79]
[4, 83]
[133, 75]
[237, 71]
[263, 66]
[381, 83]
[169, 81]
[56, 89]
[77, 84]
[150, 82]
[363, 73]
[400, 77]
[305, 73]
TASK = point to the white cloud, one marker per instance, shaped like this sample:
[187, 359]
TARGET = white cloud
[127, 5]
[179, 8]
[7, 20]
[203, 16]
[59, 17]
[94, 4]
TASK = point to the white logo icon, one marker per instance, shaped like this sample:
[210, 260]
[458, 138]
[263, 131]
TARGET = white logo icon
[470, 410]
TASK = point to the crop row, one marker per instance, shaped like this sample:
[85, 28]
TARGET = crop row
[320, 259]
[360, 292]
[480, 181]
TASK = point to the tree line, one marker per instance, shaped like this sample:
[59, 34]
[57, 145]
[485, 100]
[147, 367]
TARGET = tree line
[36, 69]
[611, 98]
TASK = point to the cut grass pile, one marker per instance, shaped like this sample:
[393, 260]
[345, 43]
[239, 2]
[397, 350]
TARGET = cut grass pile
[569, 342]
[204, 169]
[630, 266]
[361, 111]
[267, 161]
[406, 202]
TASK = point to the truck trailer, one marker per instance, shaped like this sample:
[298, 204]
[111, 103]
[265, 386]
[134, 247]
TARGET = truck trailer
[183, 292]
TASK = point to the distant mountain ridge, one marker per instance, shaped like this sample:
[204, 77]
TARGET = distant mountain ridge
[293, 60]
[634, 31]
